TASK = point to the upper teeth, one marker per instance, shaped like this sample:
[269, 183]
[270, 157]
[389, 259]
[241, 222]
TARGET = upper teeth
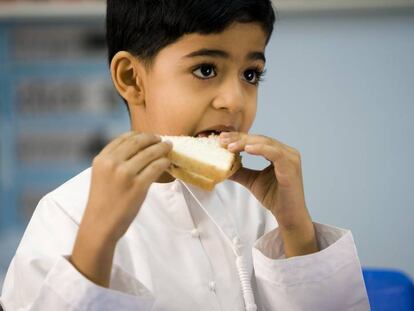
[208, 133]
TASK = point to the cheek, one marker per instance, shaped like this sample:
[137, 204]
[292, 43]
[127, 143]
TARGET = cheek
[174, 112]
[173, 88]
[180, 97]
[249, 114]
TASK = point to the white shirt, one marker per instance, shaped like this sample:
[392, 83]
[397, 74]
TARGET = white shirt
[180, 253]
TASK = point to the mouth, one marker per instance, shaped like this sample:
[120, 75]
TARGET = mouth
[215, 131]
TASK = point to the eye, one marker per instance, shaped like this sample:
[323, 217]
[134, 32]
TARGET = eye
[254, 76]
[205, 71]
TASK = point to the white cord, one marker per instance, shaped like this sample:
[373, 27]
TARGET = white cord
[244, 279]
[246, 286]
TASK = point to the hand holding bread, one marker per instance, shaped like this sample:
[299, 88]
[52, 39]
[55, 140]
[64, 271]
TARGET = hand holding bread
[279, 187]
[124, 170]
[121, 175]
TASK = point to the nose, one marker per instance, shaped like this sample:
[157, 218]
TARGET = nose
[230, 96]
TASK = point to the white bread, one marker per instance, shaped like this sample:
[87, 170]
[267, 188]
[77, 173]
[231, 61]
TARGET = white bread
[201, 161]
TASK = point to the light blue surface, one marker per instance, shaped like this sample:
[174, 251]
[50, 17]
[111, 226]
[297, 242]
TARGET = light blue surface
[341, 90]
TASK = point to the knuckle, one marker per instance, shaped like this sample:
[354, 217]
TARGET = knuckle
[135, 141]
[296, 152]
[166, 162]
[109, 164]
[279, 153]
[151, 153]
[296, 155]
[295, 159]
[160, 164]
[149, 136]
[123, 172]
[96, 160]
[143, 135]
[157, 165]
[104, 162]
[138, 142]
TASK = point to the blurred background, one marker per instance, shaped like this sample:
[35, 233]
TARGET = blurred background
[339, 87]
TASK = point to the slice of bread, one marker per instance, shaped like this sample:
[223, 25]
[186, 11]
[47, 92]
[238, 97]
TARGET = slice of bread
[201, 161]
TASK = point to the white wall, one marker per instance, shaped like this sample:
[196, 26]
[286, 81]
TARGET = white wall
[340, 88]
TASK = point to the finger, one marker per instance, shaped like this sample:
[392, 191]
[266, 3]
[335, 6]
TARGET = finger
[284, 167]
[237, 141]
[275, 145]
[228, 137]
[133, 145]
[152, 172]
[142, 159]
[116, 141]
[272, 153]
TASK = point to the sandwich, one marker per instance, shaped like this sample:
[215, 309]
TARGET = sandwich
[201, 161]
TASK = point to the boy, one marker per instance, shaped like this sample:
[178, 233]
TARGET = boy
[124, 235]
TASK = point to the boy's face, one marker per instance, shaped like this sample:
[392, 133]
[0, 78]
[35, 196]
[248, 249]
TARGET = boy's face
[202, 81]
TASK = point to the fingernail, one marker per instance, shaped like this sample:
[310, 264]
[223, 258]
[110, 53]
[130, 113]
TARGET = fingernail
[232, 145]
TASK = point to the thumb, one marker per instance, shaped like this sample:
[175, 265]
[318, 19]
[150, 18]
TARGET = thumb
[244, 176]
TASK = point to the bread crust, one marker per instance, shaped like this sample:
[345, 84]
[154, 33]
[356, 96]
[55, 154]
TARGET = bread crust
[197, 180]
[237, 164]
[204, 169]
[203, 181]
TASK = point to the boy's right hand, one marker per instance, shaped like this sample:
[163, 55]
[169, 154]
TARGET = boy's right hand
[121, 175]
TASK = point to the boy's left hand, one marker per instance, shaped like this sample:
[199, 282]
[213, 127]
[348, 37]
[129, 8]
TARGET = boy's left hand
[279, 187]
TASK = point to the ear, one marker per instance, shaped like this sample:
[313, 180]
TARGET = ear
[127, 74]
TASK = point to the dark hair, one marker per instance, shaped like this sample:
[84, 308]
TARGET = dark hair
[144, 27]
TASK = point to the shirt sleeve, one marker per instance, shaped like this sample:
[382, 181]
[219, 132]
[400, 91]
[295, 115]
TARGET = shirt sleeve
[40, 277]
[330, 279]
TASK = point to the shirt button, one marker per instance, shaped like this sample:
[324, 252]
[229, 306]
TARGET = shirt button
[195, 233]
[212, 286]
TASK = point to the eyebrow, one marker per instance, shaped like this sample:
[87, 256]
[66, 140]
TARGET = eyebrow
[223, 54]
